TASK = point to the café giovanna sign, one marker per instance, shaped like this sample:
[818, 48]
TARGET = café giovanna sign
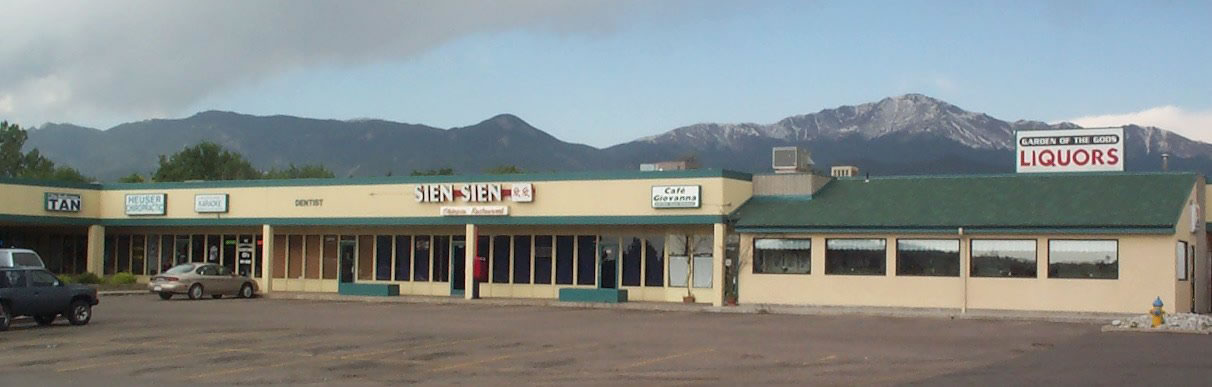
[676, 196]
[1070, 150]
[146, 204]
[62, 202]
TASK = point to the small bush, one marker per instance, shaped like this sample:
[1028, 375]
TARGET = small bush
[121, 279]
[83, 278]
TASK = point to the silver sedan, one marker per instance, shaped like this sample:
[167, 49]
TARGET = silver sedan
[199, 279]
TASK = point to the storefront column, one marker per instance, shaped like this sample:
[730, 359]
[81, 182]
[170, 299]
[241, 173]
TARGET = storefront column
[469, 264]
[94, 261]
[267, 257]
[717, 264]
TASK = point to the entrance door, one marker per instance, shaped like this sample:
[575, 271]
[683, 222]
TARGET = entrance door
[458, 267]
[608, 250]
[348, 250]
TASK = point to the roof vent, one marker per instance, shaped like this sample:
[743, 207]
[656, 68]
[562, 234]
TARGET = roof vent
[790, 159]
[844, 171]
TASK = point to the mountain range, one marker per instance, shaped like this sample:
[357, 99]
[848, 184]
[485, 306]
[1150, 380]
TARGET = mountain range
[907, 134]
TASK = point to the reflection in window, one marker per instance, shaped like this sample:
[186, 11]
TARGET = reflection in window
[403, 252]
[782, 256]
[703, 251]
[441, 258]
[542, 259]
[123, 253]
[500, 259]
[383, 250]
[587, 247]
[564, 259]
[632, 252]
[928, 257]
[855, 256]
[1083, 259]
[679, 260]
[138, 254]
[420, 258]
[1003, 258]
[521, 259]
[654, 260]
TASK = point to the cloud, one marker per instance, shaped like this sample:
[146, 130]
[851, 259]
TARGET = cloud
[89, 60]
[1195, 125]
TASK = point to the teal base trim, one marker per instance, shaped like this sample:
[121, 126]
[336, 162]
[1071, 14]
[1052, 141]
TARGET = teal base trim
[380, 290]
[424, 221]
[611, 296]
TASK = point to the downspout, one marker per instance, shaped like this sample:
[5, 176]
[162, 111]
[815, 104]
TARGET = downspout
[967, 269]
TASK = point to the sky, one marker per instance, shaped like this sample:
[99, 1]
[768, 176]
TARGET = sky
[604, 72]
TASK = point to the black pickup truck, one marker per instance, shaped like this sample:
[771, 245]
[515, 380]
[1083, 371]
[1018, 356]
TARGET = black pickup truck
[35, 292]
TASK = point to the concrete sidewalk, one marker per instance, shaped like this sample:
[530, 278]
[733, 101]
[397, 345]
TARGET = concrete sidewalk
[1067, 317]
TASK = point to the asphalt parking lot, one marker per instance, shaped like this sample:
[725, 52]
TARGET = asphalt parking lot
[140, 340]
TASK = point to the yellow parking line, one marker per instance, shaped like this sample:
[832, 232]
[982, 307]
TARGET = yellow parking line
[313, 358]
[512, 355]
[669, 357]
[140, 359]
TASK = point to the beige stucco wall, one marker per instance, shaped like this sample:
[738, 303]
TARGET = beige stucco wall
[30, 200]
[551, 198]
[1146, 270]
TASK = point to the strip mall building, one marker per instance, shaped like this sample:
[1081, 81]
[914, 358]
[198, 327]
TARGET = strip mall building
[1096, 242]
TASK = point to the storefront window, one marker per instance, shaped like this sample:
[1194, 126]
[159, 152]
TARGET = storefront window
[1003, 258]
[198, 249]
[633, 252]
[420, 258]
[1180, 261]
[330, 257]
[928, 257]
[153, 255]
[564, 254]
[138, 254]
[441, 258]
[403, 253]
[123, 254]
[587, 260]
[383, 250]
[782, 256]
[500, 259]
[521, 259]
[229, 252]
[542, 259]
[1095, 259]
[855, 256]
[679, 261]
[181, 250]
[703, 253]
[366, 256]
[212, 248]
[294, 257]
[312, 256]
[654, 260]
[279, 265]
[110, 244]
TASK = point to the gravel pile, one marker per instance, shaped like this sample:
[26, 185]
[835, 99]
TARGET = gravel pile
[1177, 321]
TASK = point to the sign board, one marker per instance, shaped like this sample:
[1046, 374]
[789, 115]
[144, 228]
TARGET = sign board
[62, 202]
[676, 196]
[146, 204]
[476, 211]
[474, 193]
[1070, 150]
[210, 203]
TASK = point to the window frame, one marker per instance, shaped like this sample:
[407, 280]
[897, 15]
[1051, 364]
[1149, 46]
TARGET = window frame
[754, 269]
[1186, 276]
[959, 257]
[1049, 258]
[971, 267]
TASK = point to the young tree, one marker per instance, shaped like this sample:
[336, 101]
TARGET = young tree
[31, 165]
[305, 172]
[205, 161]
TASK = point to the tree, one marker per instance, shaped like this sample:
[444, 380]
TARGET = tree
[30, 165]
[205, 161]
[305, 172]
[134, 177]
[433, 172]
[504, 169]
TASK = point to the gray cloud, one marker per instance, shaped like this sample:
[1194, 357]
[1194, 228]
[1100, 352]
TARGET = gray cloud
[103, 60]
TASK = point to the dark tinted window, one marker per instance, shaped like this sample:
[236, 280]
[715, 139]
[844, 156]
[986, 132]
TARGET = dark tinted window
[542, 259]
[521, 259]
[633, 250]
[564, 259]
[500, 259]
[654, 260]
[224, 270]
[26, 259]
[855, 256]
[42, 279]
[782, 256]
[587, 247]
[208, 270]
[14, 279]
[383, 250]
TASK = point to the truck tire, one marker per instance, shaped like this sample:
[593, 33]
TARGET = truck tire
[165, 295]
[80, 312]
[246, 291]
[195, 291]
[45, 320]
[6, 319]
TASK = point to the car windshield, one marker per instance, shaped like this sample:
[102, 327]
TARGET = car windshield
[180, 269]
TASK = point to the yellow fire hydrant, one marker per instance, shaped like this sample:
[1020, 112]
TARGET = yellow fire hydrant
[1158, 314]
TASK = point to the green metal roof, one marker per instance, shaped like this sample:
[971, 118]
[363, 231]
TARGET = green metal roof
[1120, 201]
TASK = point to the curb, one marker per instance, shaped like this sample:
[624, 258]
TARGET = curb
[1109, 328]
[109, 293]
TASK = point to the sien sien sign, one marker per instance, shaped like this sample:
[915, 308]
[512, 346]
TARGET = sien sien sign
[1070, 150]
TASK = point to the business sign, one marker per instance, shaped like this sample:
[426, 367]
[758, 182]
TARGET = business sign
[676, 196]
[210, 203]
[1071, 150]
[62, 202]
[476, 211]
[146, 204]
[473, 193]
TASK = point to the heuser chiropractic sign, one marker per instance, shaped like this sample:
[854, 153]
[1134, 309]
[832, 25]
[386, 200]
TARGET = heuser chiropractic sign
[146, 204]
[1075, 150]
[473, 193]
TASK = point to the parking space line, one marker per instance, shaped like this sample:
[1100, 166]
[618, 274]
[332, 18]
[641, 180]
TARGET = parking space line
[325, 357]
[512, 355]
[139, 359]
[668, 357]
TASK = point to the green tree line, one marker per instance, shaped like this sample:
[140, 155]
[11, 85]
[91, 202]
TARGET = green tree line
[30, 165]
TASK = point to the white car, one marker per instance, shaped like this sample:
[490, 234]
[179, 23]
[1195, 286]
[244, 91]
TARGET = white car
[20, 258]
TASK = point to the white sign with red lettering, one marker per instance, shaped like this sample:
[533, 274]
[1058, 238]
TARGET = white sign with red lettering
[1070, 150]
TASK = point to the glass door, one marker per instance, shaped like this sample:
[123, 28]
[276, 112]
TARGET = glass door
[608, 250]
[347, 254]
[458, 266]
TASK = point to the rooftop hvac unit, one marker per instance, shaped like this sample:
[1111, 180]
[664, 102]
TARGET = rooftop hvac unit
[790, 159]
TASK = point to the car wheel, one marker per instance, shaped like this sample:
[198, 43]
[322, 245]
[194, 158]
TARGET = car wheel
[216, 296]
[246, 291]
[45, 320]
[80, 313]
[195, 292]
[165, 295]
[5, 318]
